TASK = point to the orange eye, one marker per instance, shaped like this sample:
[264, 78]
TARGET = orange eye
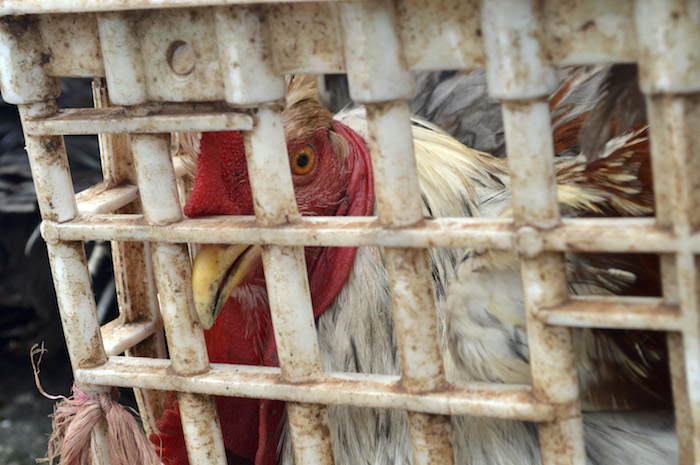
[303, 161]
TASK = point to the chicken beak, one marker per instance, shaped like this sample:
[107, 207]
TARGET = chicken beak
[217, 270]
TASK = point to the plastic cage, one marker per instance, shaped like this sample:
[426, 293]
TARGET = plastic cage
[184, 65]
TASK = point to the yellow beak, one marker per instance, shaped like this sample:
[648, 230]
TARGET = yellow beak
[217, 270]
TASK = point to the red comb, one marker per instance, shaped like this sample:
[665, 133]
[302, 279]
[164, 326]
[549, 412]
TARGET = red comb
[221, 183]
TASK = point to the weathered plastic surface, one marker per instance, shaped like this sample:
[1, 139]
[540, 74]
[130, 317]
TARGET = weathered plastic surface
[170, 66]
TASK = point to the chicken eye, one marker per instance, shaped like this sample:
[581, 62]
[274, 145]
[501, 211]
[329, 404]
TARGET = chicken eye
[303, 161]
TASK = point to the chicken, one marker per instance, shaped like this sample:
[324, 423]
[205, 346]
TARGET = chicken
[243, 332]
[351, 301]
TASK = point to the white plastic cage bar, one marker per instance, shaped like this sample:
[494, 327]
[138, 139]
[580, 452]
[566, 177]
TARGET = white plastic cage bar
[412, 294]
[587, 234]
[519, 74]
[679, 211]
[378, 78]
[138, 331]
[188, 355]
[671, 82]
[285, 273]
[68, 262]
[132, 50]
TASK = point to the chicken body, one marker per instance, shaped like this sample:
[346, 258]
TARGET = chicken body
[480, 312]
[480, 308]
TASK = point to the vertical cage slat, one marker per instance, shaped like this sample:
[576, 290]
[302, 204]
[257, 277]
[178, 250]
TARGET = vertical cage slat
[268, 167]
[373, 53]
[124, 70]
[99, 442]
[49, 164]
[554, 378]
[531, 163]
[161, 204]
[187, 351]
[245, 56]
[71, 278]
[416, 325]
[668, 32]
[544, 281]
[519, 74]
[391, 145]
[287, 283]
[378, 77]
[413, 300]
[23, 78]
[674, 146]
[310, 433]
[688, 280]
[133, 270]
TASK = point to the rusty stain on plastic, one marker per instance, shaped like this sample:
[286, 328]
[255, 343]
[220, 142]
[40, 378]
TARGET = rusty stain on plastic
[413, 300]
[19, 7]
[24, 78]
[306, 37]
[522, 75]
[49, 164]
[576, 34]
[71, 45]
[434, 34]
[287, 281]
[171, 266]
[311, 439]
[159, 118]
[391, 146]
[201, 428]
[139, 329]
[441, 34]
[430, 437]
[644, 313]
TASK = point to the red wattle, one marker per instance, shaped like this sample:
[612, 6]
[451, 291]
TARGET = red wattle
[329, 267]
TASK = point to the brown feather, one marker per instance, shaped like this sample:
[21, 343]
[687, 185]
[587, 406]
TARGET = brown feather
[620, 109]
[631, 367]
[622, 180]
[640, 378]
[304, 112]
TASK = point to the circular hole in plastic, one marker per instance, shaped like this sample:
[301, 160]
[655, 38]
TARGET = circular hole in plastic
[181, 57]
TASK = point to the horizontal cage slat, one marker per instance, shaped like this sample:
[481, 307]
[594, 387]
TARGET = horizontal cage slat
[639, 235]
[379, 391]
[115, 120]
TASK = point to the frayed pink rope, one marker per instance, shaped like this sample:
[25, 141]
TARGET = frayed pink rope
[74, 419]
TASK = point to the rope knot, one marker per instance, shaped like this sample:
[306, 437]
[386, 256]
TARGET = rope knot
[107, 400]
[75, 417]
